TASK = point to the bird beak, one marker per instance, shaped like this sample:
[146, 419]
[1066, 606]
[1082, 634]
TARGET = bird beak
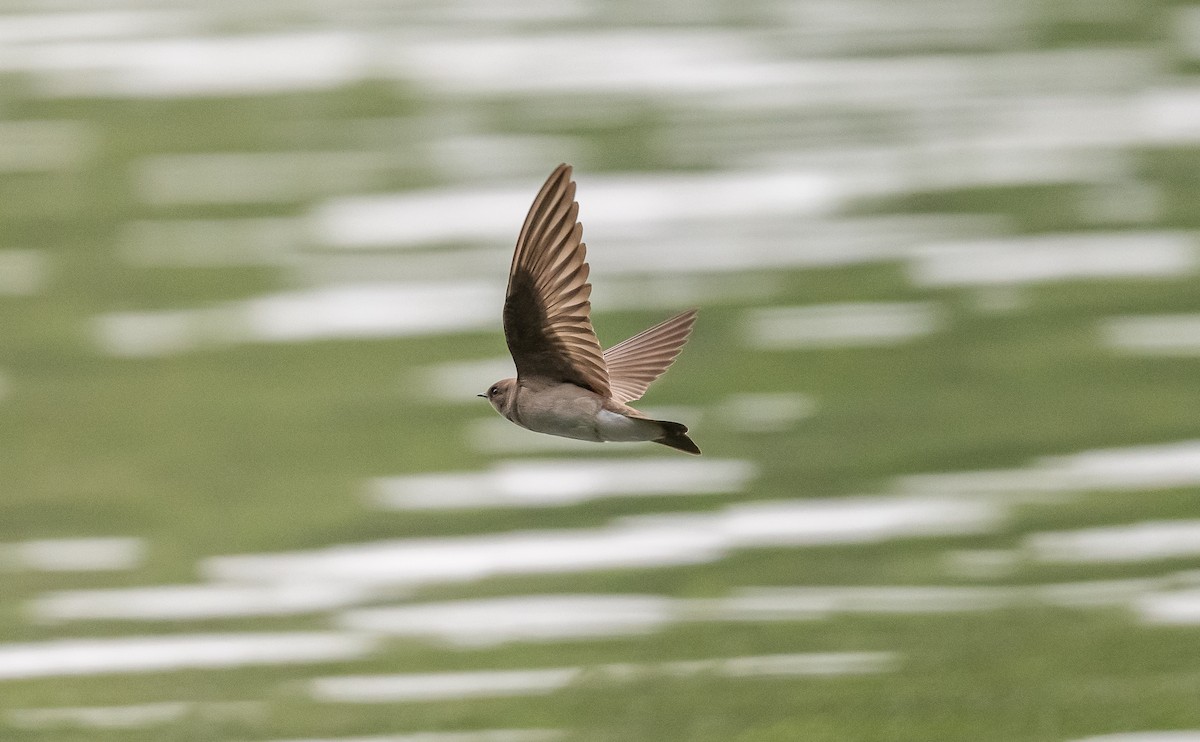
[481, 395]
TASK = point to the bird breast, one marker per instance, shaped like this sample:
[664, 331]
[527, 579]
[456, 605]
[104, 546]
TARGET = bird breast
[559, 409]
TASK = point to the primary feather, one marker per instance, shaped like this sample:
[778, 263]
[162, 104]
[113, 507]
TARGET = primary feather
[547, 308]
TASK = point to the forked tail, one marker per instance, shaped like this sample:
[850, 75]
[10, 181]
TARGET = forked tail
[675, 436]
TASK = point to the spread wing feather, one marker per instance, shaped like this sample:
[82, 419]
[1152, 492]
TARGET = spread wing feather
[547, 308]
[638, 361]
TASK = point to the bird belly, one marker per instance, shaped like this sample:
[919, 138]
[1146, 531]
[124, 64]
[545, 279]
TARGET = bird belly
[613, 426]
[571, 412]
[564, 411]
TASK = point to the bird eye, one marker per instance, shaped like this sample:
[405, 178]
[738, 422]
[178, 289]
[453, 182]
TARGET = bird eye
[492, 391]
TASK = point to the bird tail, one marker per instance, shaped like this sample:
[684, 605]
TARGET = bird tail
[675, 436]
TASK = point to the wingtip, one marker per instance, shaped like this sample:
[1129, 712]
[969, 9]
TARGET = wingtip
[561, 177]
[687, 317]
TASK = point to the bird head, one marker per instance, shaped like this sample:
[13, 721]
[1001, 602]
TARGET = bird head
[501, 395]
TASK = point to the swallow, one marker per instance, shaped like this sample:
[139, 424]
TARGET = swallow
[565, 384]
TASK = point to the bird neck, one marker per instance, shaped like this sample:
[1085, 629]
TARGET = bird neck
[510, 405]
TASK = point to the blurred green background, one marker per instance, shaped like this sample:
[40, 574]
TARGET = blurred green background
[945, 375]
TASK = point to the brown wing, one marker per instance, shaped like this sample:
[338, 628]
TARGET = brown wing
[641, 359]
[546, 311]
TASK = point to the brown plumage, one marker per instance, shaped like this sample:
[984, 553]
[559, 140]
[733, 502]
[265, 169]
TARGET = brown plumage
[634, 363]
[566, 385]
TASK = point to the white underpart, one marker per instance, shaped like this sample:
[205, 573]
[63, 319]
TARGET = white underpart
[616, 427]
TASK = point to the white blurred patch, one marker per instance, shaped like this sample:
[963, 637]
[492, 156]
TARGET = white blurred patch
[1060, 257]
[626, 202]
[210, 242]
[1034, 120]
[100, 717]
[197, 66]
[764, 412]
[64, 657]
[943, 160]
[855, 24]
[815, 664]
[495, 14]
[466, 157]
[664, 61]
[1171, 736]
[45, 146]
[632, 542]
[841, 325]
[475, 623]
[719, 249]
[323, 267]
[461, 381]
[1100, 593]
[853, 520]
[559, 482]
[734, 69]
[434, 560]
[487, 735]
[507, 683]
[982, 564]
[1175, 607]
[810, 603]
[1037, 481]
[1137, 542]
[23, 272]
[73, 554]
[129, 717]
[194, 602]
[441, 686]
[790, 603]
[1005, 162]
[1153, 335]
[252, 177]
[346, 311]
[383, 310]
[486, 622]
[1158, 466]
[423, 217]
[149, 334]
[671, 291]
[665, 263]
[41, 28]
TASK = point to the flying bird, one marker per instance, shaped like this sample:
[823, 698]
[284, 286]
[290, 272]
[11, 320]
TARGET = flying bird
[566, 385]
